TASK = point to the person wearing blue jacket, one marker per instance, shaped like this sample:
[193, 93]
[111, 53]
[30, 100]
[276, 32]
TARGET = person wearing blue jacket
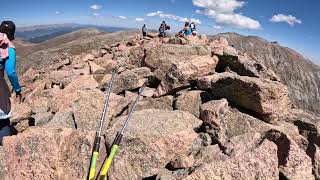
[7, 65]
[187, 29]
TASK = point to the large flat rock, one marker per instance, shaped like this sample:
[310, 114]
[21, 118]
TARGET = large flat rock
[268, 99]
[152, 139]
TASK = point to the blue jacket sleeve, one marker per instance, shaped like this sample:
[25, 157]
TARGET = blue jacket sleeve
[10, 68]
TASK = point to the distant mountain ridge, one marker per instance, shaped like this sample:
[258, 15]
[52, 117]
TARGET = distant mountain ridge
[41, 33]
[300, 74]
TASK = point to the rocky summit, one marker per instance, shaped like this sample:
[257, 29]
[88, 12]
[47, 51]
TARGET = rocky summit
[209, 111]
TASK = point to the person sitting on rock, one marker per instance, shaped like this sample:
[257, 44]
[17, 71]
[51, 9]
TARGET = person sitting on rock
[187, 30]
[144, 30]
[193, 26]
[7, 64]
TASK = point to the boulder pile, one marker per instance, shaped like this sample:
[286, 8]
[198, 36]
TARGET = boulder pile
[208, 112]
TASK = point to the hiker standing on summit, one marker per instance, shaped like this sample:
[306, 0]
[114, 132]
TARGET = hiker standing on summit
[144, 30]
[162, 29]
[7, 64]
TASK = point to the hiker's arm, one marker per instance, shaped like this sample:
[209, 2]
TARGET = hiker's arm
[10, 68]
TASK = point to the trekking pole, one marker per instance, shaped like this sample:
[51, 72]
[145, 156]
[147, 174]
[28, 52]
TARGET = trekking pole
[118, 138]
[96, 145]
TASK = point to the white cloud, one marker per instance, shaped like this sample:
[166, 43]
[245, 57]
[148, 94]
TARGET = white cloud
[237, 20]
[198, 11]
[221, 6]
[173, 17]
[222, 12]
[155, 13]
[96, 7]
[139, 19]
[96, 14]
[122, 17]
[197, 21]
[291, 20]
[217, 27]
[58, 12]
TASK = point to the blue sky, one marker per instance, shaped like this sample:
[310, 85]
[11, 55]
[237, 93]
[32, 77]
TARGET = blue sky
[293, 23]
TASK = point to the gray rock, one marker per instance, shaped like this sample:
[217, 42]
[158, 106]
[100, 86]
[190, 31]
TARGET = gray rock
[42, 118]
[62, 120]
[164, 102]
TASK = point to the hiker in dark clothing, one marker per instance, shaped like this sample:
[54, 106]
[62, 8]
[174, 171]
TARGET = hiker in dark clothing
[144, 30]
[163, 24]
[162, 29]
[7, 64]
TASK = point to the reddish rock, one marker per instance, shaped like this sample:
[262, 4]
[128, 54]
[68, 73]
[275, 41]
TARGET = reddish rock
[131, 79]
[107, 63]
[176, 65]
[28, 77]
[152, 35]
[88, 57]
[211, 113]
[195, 40]
[40, 101]
[164, 102]
[182, 161]
[48, 153]
[209, 154]
[85, 70]
[63, 99]
[148, 92]
[20, 112]
[61, 77]
[191, 100]
[294, 163]
[136, 55]
[239, 145]
[245, 66]
[87, 109]
[178, 40]
[269, 99]
[259, 163]
[220, 46]
[151, 142]
[96, 69]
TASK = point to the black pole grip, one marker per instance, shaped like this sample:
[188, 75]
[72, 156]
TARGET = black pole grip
[96, 145]
[118, 139]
